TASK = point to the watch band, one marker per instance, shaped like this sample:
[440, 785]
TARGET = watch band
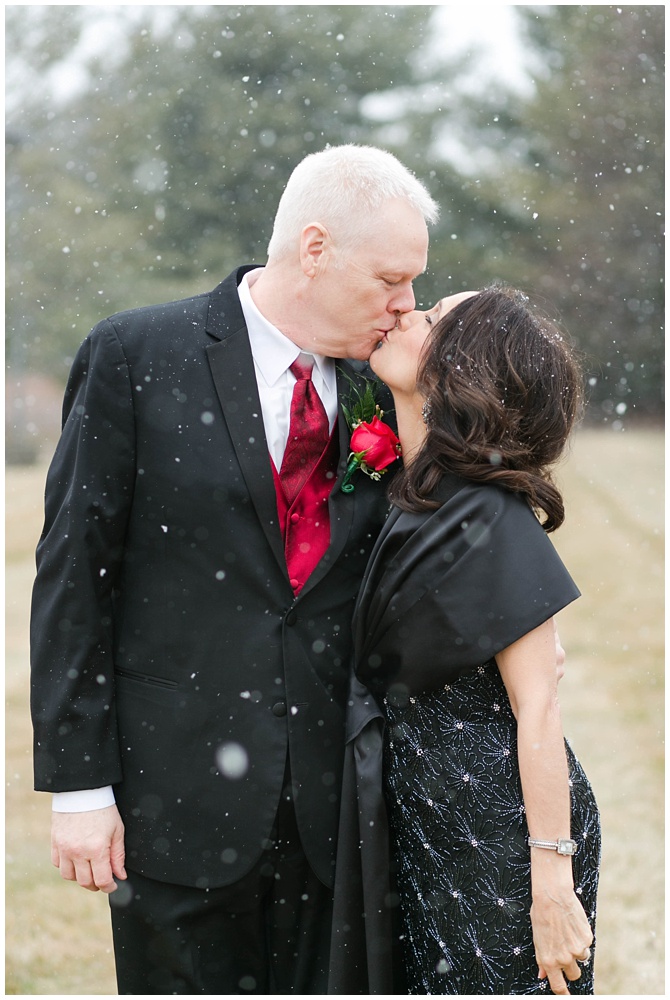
[561, 846]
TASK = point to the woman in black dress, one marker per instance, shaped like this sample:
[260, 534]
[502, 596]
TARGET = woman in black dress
[494, 830]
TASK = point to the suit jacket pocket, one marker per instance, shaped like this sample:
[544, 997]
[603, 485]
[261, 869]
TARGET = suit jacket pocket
[142, 678]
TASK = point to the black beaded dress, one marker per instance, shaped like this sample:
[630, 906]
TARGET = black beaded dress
[444, 592]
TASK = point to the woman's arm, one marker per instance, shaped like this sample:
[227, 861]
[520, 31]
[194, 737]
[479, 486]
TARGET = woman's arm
[561, 932]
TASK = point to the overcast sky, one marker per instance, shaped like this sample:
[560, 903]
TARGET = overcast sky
[490, 33]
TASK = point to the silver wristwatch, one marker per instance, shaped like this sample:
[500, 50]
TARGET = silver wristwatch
[561, 846]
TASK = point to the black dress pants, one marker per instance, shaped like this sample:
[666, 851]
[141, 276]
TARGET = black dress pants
[269, 933]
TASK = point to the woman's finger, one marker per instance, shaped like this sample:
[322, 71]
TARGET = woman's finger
[572, 971]
[557, 982]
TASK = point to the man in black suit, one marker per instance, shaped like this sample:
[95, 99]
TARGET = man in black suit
[188, 680]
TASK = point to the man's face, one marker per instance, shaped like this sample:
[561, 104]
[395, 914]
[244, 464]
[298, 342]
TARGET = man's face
[355, 304]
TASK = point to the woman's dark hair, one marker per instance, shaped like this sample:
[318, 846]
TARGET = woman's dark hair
[503, 392]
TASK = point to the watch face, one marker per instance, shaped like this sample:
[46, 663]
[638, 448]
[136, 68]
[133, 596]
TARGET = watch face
[566, 847]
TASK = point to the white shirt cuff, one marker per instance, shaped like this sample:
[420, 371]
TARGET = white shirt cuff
[85, 800]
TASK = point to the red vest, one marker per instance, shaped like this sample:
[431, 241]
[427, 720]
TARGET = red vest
[305, 525]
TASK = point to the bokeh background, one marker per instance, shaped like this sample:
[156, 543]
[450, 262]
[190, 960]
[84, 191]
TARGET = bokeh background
[146, 150]
[147, 147]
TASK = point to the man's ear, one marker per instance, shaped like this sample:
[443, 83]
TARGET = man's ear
[315, 247]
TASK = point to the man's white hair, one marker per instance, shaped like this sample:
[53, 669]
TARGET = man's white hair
[342, 188]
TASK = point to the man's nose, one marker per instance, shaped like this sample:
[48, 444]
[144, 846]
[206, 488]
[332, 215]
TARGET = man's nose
[403, 301]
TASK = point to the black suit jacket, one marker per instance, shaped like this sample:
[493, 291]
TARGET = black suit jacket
[169, 657]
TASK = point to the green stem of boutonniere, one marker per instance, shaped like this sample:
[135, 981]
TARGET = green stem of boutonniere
[347, 486]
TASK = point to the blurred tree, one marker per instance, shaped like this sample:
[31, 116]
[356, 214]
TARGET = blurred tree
[162, 172]
[165, 172]
[580, 178]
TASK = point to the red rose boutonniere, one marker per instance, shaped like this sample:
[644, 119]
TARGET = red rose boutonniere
[373, 445]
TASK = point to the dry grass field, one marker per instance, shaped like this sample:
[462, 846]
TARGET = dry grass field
[58, 938]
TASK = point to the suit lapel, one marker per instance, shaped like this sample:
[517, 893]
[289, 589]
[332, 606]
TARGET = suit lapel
[232, 368]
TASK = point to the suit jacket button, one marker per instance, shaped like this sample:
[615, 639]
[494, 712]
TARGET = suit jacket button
[279, 709]
[291, 618]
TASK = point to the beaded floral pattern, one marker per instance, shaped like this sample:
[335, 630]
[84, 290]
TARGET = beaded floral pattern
[459, 831]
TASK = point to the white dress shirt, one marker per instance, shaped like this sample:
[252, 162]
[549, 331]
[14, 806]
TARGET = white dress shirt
[273, 355]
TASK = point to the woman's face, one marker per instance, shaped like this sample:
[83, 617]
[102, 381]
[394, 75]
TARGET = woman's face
[396, 360]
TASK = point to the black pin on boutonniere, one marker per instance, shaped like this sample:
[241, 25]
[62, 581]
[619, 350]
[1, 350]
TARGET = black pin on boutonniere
[374, 446]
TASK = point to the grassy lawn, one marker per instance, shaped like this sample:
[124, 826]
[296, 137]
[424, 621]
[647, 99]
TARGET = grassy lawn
[613, 694]
[58, 940]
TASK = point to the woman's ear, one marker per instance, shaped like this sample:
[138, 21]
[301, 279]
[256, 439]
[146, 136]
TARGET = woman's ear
[315, 245]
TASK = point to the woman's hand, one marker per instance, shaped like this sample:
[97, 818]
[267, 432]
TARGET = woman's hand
[531, 668]
[562, 935]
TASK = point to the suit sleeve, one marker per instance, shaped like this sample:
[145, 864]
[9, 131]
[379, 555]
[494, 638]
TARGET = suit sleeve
[79, 558]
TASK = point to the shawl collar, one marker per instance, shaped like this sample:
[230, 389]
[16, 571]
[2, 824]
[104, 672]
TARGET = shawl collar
[405, 541]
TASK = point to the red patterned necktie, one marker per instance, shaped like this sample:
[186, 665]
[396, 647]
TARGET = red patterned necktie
[308, 432]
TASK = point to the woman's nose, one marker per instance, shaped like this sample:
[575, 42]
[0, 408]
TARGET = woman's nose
[407, 319]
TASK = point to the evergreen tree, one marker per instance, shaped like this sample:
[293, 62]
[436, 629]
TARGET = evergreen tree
[164, 171]
[580, 183]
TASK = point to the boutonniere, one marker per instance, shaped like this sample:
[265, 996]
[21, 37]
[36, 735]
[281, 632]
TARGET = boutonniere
[374, 446]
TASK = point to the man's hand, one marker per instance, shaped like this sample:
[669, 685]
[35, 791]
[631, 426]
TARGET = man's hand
[88, 847]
